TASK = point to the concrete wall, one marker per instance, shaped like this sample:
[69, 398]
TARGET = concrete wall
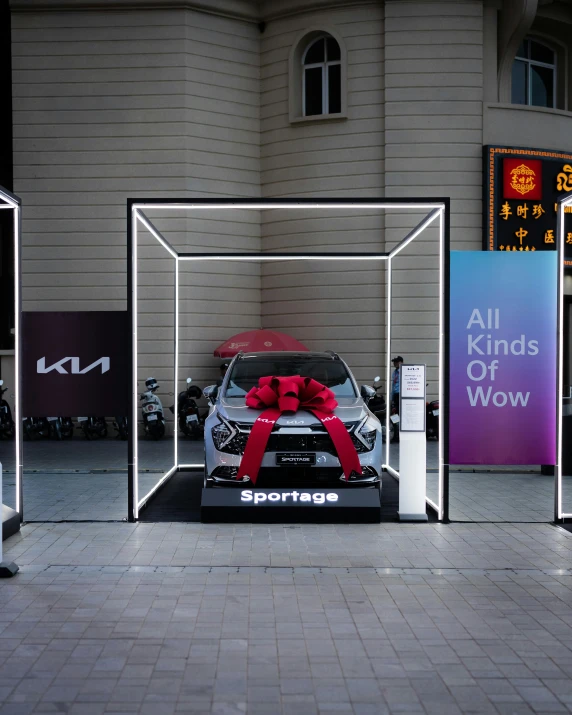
[532, 127]
[110, 105]
[334, 306]
[433, 145]
[173, 101]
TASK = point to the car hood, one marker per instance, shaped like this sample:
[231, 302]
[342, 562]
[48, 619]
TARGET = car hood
[349, 409]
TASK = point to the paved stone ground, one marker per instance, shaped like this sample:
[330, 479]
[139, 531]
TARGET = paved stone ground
[276, 620]
[86, 480]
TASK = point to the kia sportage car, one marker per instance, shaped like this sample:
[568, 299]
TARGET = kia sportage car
[300, 451]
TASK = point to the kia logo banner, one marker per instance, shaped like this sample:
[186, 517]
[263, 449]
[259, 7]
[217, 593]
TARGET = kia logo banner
[75, 363]
[503, 358]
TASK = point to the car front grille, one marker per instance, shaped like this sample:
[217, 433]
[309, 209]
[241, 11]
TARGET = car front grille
[316, 441]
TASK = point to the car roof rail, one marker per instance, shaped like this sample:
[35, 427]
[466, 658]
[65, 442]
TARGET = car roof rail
[334, 355]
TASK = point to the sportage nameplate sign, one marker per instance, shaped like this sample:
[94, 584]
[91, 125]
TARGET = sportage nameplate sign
[75, 363]
[291, 505]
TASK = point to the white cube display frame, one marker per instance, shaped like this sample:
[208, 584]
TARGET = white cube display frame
[438, 210]
[11, 202]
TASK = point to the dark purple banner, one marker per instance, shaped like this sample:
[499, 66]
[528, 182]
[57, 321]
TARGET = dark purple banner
[75, 363]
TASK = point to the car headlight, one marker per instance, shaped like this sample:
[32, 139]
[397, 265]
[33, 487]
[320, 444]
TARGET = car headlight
[222, 434]
[366, 434]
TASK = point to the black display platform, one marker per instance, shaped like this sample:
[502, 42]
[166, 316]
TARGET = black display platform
[10, 522]
[353, 506]
[179, 499]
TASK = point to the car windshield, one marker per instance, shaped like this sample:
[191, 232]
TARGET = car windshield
[331, 373]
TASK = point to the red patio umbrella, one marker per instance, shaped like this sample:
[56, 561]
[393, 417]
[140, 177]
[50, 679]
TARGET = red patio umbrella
[254, 341]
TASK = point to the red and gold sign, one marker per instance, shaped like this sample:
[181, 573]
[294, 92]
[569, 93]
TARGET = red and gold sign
[522, 179]
[523, 187]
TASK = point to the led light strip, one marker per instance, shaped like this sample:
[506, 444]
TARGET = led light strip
[17, 359]
[12, 203]
[418, 230]
[277, 257]
[438, 210]
[133, 428]
[176, 380]
[154, 489]
[560, 514]
[388, 392]
[442, 376]
[149, 226]
[301, 205]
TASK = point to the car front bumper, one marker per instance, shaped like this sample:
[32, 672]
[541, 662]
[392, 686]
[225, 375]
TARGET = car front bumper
[222, 468]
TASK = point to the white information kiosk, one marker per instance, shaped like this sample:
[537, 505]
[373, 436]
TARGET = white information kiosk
[412, 444]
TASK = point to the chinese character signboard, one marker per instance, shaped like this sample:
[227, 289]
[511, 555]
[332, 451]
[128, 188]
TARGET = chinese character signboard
[503, 358]
[522, 187]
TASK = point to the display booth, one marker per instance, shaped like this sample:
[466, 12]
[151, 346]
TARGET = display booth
[562, 507]
[435, 214]
[160, 263]
[11, 203]
[11, 517]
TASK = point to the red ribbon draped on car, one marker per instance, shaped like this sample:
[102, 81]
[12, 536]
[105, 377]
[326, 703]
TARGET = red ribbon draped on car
[276, 395]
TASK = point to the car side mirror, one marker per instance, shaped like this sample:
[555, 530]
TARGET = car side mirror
[367, 393]
[211, 393]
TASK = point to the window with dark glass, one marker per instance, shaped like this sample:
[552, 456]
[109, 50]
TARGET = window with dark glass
[322, 77]
[534, 75]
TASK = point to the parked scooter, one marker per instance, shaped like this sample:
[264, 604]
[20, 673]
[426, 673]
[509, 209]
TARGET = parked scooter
[6, 421]
[93, 427]
[120, 425]
[432, 419]
[33, 427]
[153, 419]
[378, 406]
[191, 422]
[60, 427]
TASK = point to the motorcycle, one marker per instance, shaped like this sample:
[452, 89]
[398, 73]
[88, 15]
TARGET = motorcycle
[152, 410]
[93, 426]
[35, 427]
[6, 421]
[120, 425]
[191, 422]
[377, 404]
[432, 419]
[60, 427]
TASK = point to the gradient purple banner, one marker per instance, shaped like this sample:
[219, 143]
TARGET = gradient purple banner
[503, 357]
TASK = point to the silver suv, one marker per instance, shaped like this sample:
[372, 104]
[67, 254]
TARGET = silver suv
[299, 452]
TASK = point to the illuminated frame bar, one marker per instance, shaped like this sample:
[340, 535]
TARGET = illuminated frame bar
[563, 203]
[10, 202]
[438, 208]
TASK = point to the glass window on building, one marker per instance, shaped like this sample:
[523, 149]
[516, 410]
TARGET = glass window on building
[321, 77]
[534, 75]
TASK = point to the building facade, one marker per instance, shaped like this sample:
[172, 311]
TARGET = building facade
[279, 98]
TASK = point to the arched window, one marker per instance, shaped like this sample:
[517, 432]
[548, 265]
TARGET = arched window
[534, 75]
[321, 77]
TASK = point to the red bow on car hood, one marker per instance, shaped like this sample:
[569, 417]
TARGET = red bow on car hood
[276, 395]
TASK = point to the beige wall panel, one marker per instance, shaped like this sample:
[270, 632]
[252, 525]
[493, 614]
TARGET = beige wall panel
[144, 103]
[433, 148]
[532, 127]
